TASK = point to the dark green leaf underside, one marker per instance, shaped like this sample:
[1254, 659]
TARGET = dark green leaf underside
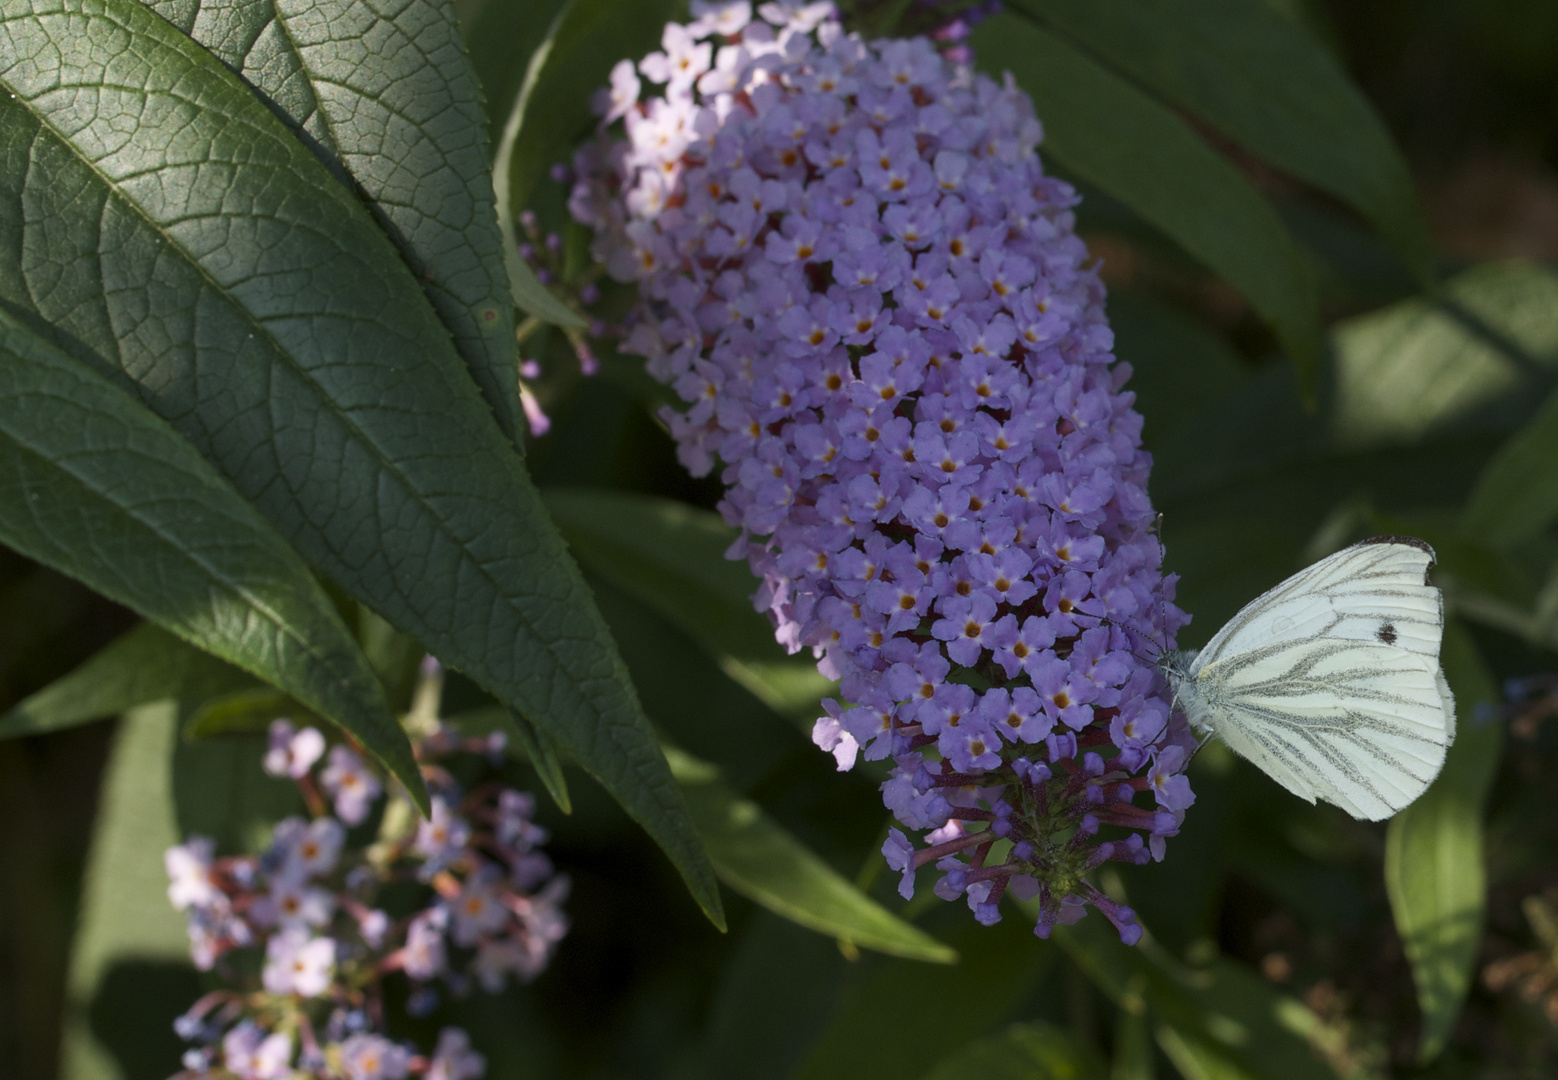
[1113, 135]
[96, 486]
[385, 95]
[145, 664]
[214, 266]
[1434, 871]
[759, 859]
[1260, 78]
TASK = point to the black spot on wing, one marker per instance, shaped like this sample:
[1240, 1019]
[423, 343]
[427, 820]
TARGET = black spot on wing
[1386, 633]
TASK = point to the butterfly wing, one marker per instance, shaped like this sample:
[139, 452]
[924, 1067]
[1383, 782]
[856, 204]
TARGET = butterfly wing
[1331, 683]
[1362, 725]
[1376, 590]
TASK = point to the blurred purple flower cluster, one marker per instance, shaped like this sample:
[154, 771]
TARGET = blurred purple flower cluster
[305, 914]
[855, 272]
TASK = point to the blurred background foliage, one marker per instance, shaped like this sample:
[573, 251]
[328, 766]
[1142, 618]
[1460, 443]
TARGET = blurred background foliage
[1342, 315]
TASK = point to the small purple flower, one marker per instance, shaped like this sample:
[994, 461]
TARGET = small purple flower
[479, 910]
[296, 963]
[292, 753]
[453, 1058]
[251, 1053]
[307, 849]
[441, 838]
[424, 956]
[189, 870]
[373, 1057]
[351, 784]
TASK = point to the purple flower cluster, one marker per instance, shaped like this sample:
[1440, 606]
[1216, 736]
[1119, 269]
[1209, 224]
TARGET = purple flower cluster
[856, 274]
[306, 910]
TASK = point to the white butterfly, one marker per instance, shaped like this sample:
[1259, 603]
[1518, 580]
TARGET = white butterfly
[1331, 682]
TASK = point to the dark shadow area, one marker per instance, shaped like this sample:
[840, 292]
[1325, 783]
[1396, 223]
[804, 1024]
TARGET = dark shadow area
[132, 1015]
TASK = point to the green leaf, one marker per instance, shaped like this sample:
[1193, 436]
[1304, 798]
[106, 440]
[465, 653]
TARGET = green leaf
[129, 964]
[1217, 1020]
[552, 112]
[1517, 495]
[96, 486]
[779, 983]
[386, 96]
[993, 979]
[1470, 356]
[761, 861]
[1434, 870]
[526, 289]
[1260, 78]
[221, 790]
[671, 556]
[143, 665]
[538, 748]
[1032, 1051]
[501, 36]
[1111, 134]
[243, 712]
[212, 263]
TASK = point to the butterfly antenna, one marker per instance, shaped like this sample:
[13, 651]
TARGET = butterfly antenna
[1157, 530]
[1107, 621]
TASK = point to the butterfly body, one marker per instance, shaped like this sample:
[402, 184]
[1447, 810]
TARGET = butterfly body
[1330, 682]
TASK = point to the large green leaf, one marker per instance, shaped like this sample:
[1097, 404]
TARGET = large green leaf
[1433, 853]
[671, 556]
[185, 242]
[384, 94]
[1218, 1020]
[145, 664]
[525, 740]
[129, 966]
[1260, 78]
[1470, 356]
[1113, 135]
[779, 983]
[95, 485]
[221, 790]
[1517, 494]
[761, 861]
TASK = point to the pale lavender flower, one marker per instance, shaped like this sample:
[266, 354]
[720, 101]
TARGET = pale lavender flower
[351, 784]
[441, 837]
[479, 909]
[857, 276]
[293, 903]
[306, 904]
[189, 870]
[251, 1053]
[424, 956]
[305, 849]
[453, 1058]
[291, 753]
[373, 1057]
[296, 963]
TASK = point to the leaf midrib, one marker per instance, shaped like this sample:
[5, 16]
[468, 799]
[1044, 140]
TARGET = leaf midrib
[253, 600]
[282, 354]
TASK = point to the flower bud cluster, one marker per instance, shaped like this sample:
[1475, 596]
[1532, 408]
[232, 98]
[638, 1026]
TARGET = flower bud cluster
[306, 916]
[544, 256]
[857, 276]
